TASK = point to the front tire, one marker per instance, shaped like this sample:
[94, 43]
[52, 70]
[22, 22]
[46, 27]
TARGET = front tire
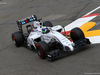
[42, 48]
[18, 38]
[77, 34]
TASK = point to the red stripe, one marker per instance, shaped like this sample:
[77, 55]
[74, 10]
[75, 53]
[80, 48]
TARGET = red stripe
[71, 40]
[96, 14]
[65, 33]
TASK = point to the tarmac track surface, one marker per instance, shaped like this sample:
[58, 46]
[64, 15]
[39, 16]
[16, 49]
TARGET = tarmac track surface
[22, 61]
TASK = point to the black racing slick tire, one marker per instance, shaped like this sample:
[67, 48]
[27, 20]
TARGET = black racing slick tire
[77, 34]
[42, 48]
[47, 23]
[18, 38]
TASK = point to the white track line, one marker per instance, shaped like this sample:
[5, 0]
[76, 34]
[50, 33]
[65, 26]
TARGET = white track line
[92, 11]
[79, 22]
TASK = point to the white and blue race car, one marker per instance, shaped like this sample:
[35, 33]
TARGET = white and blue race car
[55, 41]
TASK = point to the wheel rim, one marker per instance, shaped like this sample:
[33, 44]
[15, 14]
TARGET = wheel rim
[40, 51]
[14, 40]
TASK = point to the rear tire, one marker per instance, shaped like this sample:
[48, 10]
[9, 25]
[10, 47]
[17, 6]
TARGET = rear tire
[18, 38]
[42, 48]
[77, 34]
[47, 23]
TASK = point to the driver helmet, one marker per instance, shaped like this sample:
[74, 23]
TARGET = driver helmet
[45, 30]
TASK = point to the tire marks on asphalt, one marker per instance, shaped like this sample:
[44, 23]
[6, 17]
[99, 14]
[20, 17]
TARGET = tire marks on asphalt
[3, 3]
[53, 17]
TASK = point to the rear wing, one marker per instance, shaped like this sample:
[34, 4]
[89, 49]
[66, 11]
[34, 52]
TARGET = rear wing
[25, 21]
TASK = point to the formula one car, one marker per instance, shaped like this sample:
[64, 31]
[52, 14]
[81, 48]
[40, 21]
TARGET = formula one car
[47, 39]
[55, 41]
